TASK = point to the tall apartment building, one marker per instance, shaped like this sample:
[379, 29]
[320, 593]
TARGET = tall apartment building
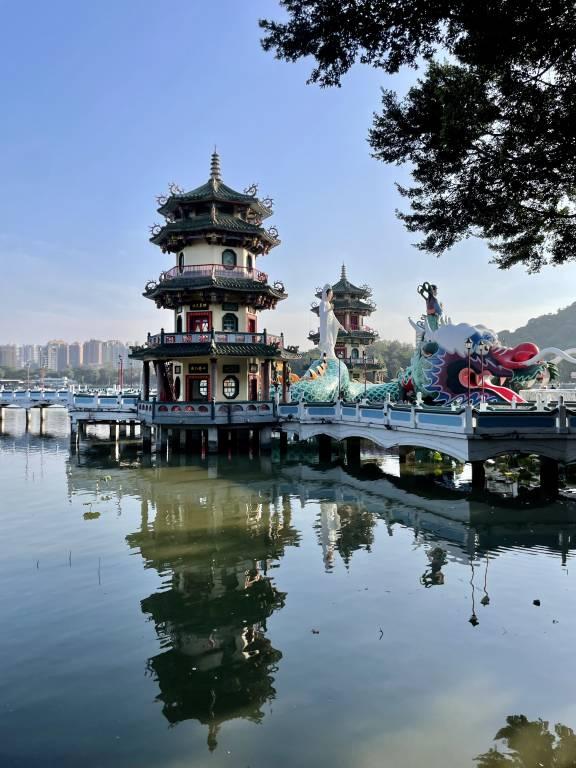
[31, 354]
[9, 355]
[75, 356]
[92, 352]
[112, 350]
[57, 355]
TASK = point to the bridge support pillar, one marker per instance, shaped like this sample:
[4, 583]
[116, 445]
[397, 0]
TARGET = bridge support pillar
[161, 440]
[324, 448]
[353, 451]
[28, 419]
[132, 429]
[122, 429]
[73, 436]
[283, 443]
[146, 438]
[478, 475]
[549, 476]
[212, 441]
[265, 439]
[403, 452]
[112, 433]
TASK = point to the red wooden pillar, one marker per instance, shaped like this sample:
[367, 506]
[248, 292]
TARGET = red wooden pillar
[266, 380]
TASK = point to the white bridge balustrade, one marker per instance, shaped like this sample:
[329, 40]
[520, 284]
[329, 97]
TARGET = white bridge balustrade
[466, 434]
[73, 401]
[31, 397]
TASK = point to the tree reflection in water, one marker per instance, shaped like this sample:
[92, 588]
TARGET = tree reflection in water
[531, 744]
[214, 553]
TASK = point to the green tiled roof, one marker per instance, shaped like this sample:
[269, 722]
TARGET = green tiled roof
[353, 304]
[179, 284]
[215, 191]
[346, 287]
[176, 351]
[205, 223]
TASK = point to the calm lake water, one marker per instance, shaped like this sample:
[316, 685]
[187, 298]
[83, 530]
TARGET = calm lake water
[255, 613]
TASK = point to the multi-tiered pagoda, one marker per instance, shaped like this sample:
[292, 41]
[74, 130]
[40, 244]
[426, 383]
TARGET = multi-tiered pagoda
[351, 305]
[215, 350]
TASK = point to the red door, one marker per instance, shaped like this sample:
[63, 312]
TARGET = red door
[253, 388]
[199, 322]
[251, 325]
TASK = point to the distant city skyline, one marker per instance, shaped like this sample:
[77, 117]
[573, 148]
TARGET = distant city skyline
[60, 355]
[87, 143]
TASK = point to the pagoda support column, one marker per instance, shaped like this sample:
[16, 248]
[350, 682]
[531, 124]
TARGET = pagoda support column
[161, 439]
[212, 443]
[146, 431]
[266, 380]
[283, 443]
[146, 380]
[265, 439]
[213, 378]
[284, 381]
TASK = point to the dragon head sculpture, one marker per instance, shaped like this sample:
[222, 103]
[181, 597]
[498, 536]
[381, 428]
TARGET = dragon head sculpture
[455, 362]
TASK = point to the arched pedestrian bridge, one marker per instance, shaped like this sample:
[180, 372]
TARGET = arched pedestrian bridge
[466, 434]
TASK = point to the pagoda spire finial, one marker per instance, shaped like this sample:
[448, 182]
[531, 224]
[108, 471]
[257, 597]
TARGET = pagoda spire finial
[343, 275]
[215, 166]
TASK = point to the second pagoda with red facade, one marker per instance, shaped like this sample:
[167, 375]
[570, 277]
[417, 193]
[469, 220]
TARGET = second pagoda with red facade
[352, 304]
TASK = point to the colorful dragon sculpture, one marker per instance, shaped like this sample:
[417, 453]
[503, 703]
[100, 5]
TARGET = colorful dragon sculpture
[451, 364]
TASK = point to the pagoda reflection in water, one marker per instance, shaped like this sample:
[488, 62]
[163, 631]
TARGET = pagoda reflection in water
[211, 618]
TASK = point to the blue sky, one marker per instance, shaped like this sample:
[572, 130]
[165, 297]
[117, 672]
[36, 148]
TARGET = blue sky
[103, 104]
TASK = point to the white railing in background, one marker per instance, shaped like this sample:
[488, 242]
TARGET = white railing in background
[70, 400]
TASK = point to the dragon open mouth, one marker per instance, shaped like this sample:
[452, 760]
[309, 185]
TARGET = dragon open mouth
[471, 379]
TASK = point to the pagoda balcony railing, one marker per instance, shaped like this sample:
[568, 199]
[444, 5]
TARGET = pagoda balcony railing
[363, 330]
[219, 337]
[213, 270]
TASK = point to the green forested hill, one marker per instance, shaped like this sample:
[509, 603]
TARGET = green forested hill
[553, 330]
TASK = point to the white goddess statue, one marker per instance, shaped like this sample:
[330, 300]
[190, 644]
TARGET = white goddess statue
[329, 325]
